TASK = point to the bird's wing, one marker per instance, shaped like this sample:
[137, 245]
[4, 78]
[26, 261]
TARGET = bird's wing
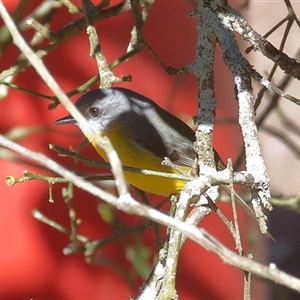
[165, 142]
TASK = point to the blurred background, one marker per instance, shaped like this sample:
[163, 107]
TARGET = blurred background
[32, 260]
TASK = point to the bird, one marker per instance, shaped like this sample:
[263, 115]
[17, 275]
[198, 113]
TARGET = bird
[142, 133]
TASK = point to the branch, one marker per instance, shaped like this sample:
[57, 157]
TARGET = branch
[239, 67]
[241, 26]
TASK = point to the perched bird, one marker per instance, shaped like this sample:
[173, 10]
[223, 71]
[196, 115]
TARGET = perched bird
[142, 133]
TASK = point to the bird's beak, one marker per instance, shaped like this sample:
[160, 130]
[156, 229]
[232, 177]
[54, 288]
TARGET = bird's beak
[66, 120]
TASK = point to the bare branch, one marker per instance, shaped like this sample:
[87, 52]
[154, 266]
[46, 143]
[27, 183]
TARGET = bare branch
[241, 26]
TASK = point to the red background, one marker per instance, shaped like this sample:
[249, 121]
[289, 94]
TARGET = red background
[31, 261]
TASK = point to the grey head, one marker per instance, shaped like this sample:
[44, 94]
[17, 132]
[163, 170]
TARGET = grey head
[103, 107]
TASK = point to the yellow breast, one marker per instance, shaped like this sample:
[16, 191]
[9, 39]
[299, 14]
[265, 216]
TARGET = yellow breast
[132, 155]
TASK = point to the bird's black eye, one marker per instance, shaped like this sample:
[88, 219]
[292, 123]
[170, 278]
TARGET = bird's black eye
[94, 111]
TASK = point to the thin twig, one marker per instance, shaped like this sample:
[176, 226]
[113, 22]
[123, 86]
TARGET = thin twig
[107, 77]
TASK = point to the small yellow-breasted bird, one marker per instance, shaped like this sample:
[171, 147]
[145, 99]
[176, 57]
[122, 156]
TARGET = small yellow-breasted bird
[143, 134]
